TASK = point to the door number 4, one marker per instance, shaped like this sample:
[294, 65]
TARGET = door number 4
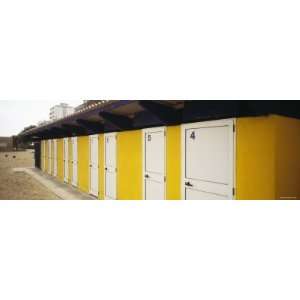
[193, 135]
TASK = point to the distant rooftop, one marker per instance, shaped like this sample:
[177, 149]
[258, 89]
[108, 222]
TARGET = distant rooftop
[88, 104]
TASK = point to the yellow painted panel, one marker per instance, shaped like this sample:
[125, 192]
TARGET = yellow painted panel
[255, 154]
[129, 164]
[83, 163]
[288, 158]
[52, 157]
[101, 166]
[60, 159]
[173, 163]
[70, 158]
[46, 156]
[42, 155]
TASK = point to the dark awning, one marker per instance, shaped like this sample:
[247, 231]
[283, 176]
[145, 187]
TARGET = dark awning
[122, 115]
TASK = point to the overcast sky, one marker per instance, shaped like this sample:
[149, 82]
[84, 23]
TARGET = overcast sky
[15, 115]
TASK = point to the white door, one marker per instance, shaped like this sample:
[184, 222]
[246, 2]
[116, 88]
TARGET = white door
[55, 157]
[74, 162]
[66, 160]
[110, 166]
[154, 163]
[49, 157]
[94, 165]
[208, 160]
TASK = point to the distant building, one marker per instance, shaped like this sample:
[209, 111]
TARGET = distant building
[60, 111]
[6, 143]
[41, 123]
[87, 104]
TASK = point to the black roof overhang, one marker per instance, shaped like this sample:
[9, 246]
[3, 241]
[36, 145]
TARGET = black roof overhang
[131, 114]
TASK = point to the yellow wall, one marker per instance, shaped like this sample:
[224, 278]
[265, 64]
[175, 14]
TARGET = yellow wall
[42, 155]
[83, 163]
[60, 159]
[49, 156]
[173, 172]
[101, 166]
[46, 156]
[268, 160]
[70, 158]
[52, 157]
[129, 165]
[255, 154]
[288, 158]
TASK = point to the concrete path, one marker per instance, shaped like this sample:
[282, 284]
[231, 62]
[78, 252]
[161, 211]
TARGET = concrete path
[61, 190]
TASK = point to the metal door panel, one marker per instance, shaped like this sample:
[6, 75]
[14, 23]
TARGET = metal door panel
[110, 153]
[110, 185]
[94, 165]
[207, 154]
[155, 152]
[154, 163]
[154, 190]
[193, 194]
[208, 162]
[66, 160]
[110, 165]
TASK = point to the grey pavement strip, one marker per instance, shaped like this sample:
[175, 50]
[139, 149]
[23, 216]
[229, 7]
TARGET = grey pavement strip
[61, 190]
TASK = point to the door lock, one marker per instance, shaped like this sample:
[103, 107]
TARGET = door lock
[188, 184]
[147, 176]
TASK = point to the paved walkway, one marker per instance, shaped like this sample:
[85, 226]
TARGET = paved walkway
[61, 190]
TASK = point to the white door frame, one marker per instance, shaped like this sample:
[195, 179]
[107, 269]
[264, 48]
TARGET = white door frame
[90, 180]
[230, 121]
[145, 131]
[74, 139]
[66, 176]
[105, 136]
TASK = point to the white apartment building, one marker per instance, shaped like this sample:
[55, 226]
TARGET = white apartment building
[60, 111]
[42, 123]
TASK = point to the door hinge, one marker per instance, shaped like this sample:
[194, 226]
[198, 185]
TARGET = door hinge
[233, 127]
[233, 191]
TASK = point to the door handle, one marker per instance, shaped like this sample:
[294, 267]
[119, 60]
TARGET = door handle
[188, 184]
